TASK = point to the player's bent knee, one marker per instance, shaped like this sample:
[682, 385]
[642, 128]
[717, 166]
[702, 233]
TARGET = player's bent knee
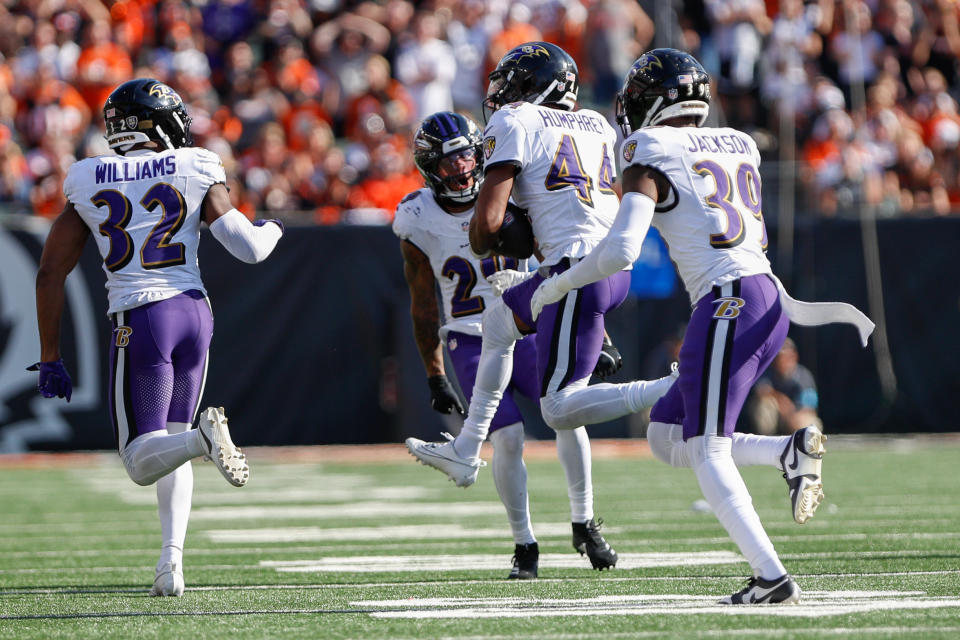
[137, 474]
[555, 409]
[667, 445]
[498, 324]
[658, 437]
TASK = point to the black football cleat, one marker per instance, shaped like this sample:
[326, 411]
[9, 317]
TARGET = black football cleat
[782, 590]
[525, 560]
[587, 540]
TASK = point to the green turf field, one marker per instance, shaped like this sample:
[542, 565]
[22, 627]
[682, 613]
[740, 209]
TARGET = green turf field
[390, 549]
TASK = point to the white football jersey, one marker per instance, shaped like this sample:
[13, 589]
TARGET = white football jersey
[144, 212]
[566, 173]
[712, 220]
[444, 238]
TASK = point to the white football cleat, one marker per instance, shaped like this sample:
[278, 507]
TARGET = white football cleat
[443, 457]
[215, 436]
[802, 460]
[169, 581]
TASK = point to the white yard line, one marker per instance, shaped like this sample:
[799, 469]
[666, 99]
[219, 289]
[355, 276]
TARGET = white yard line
[814, 604]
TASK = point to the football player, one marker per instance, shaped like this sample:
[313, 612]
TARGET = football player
[557, 164]
[143, 208]
[700, 187]
[433, 225]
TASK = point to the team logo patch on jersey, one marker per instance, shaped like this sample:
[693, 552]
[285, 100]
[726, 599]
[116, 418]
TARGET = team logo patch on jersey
[489, 144]
[122, 334]
[629, 150]
[728, 308]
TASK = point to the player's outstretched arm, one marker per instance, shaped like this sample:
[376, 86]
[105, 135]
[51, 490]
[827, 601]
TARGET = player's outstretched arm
[246, 241]
[425, 314]
[491, 205]
[618, 249]
[61, 252]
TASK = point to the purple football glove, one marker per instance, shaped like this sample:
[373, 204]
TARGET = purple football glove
[54, 381]
[263, 221]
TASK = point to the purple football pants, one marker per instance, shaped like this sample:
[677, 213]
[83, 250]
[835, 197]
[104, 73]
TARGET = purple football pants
[735, 331]
[569, 331]
[158, 364]
[464, 353]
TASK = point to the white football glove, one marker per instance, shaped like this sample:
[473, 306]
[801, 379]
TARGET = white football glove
[549, 291]
[503, 280]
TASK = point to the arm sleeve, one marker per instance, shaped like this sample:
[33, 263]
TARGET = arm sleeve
[244, 241]
[618, 249]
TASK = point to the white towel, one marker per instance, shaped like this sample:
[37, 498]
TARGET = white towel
[813, 314]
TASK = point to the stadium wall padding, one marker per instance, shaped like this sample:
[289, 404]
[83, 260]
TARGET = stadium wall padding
[315, 345]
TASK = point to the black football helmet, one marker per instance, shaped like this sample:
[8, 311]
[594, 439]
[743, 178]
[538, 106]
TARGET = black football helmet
[145, 109]
[441, 139]
[663, 84]
[536, 72]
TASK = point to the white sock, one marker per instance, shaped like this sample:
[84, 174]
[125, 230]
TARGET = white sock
[174, 495]
[580, 403]
[153, 455]
[573, 449]
[729, 499]
[666, 443]
[510, 478]
[493, 375]
[749, 449]
[643, 394]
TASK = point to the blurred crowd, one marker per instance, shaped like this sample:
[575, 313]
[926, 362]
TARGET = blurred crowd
[312, 104]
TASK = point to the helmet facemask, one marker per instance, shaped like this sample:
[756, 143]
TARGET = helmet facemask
[447, 152]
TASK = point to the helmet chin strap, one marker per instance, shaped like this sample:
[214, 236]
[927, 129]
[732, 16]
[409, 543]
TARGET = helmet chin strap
[164, 137]
[568, 99]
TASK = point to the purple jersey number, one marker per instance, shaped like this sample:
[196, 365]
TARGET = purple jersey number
[748, 190]
[463, 302]
[567, 170]
[157, 250]
[121, 244]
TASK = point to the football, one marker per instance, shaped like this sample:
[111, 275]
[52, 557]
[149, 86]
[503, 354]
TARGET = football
[515, 239]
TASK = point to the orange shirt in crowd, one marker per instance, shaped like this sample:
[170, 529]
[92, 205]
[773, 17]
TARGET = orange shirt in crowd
[384, 193]
[100, 69]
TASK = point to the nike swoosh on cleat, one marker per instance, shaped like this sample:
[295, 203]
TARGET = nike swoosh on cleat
[796, 460]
